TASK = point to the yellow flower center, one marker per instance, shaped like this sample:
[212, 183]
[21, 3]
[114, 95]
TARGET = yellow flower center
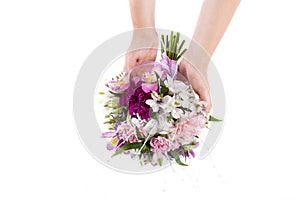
[149, 77]
[114, 141]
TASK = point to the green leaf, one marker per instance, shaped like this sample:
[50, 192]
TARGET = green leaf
[157, 77]
[176, 44]
[138, 134]
[170, 117]
[128, 146]
[171, 45]
[213, 119]
[175, 155]
[159, 160]
[114, 93]
[163, 38]
[177, 58]
[163, 90]
[162, 47]
[146, 149]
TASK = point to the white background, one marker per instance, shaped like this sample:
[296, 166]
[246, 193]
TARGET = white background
[42, 47]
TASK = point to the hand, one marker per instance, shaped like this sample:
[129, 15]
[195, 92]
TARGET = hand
[194, 68]
[143, 48]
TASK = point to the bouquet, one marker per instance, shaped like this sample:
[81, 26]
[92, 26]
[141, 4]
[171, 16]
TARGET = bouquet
[153, 112]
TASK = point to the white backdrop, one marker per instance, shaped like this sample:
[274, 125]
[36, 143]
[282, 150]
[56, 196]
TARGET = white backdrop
[42, 47]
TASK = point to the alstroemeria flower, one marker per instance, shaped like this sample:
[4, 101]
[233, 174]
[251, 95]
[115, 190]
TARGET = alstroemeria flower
[118, 85]
[171, 66]
[158, 69]
[175, 86]
[151, 127]
[153, 104]
[149, 87]
[149, 77]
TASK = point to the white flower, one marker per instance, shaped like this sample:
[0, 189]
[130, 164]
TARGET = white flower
[177, 113]
[163, 124]
[153, 104]
[175, 86]
[167, 104]
[151, 127]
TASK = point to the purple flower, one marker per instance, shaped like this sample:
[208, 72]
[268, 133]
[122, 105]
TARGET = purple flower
[109, 134]
[137, 104]
[118, 85]
[148, 87]
[169, 65]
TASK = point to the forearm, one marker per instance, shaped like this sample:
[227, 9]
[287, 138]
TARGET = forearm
[213, 20]
[142, 13]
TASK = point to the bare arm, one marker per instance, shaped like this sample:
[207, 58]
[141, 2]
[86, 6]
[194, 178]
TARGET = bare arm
[143, 47]
[142, 13]
[213, 20]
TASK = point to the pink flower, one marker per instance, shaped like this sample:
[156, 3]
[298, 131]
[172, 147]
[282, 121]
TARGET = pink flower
[159, 144]
[158, 69]
[148, 87]
[169, 65]
[188, 127]
[127, 133]
[118, 85]
[175, 145]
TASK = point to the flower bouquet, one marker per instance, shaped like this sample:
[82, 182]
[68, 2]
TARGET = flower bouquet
[153, 112]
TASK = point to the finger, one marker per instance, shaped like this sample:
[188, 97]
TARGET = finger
[204, 94]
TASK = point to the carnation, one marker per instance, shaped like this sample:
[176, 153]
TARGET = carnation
[137, 104]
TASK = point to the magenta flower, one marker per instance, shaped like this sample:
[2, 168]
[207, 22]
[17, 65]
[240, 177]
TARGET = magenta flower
[159, 144]
[137, 104]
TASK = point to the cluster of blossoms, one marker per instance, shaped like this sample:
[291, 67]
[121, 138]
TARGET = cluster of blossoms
[153, 114]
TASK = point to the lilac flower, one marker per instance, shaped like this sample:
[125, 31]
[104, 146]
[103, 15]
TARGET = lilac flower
[158, 69]
[125, 96]
[118, 85]
[137, 104]
[169, 65]
[108, 134]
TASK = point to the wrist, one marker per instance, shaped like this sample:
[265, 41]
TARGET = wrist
[197, 57]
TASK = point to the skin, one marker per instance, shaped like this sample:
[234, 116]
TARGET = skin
[213, 20]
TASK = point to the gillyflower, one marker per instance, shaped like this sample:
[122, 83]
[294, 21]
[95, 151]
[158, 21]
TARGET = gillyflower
[187, 128]
[159, 144]
[137, 104]
[126, 133]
